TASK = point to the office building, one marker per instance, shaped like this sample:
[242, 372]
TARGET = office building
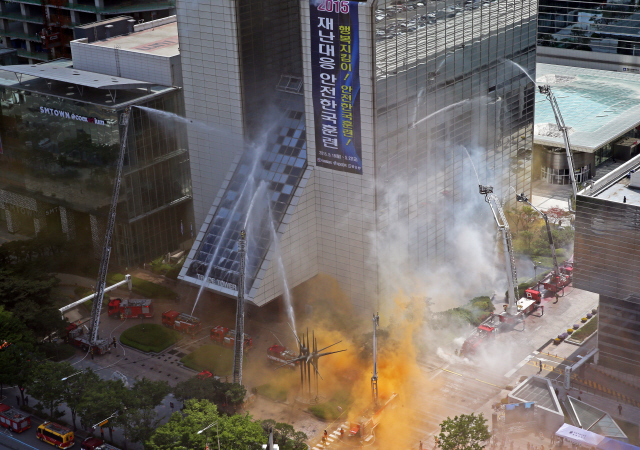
[61, 129]
[22, 22]
[375, 108]
[606, 256]
[589, 34]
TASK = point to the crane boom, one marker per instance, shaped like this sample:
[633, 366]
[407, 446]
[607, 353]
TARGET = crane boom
[510, 263]
[552, 246]
[111, 220]
[546, 90]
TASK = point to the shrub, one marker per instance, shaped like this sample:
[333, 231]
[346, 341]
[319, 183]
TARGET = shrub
[277, 394]
[212, 357]
[174, 271]
[145, 288]
[329, 409]
[149, 337]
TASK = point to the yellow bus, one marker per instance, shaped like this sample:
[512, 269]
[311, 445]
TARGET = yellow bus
[57, 435]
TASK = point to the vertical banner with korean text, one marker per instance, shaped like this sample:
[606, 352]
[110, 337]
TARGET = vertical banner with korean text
[335, 60]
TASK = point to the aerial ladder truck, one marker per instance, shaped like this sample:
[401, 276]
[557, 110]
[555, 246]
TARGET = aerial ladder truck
[513, 312]
[97, 344]
[558, 280]
[546, 91]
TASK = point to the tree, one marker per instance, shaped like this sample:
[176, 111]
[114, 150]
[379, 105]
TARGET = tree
[464, 432]
[139, 420]
[16, 358]
[181, 431]
[76, 388]
[556, 214]
[101, 402]
[527, 237]
[47, 385]
[210, 389]
[284, 435]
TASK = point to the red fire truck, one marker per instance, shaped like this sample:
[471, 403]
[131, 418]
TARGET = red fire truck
[75, 336]
[94, 443]
[181, 322]
[278, 354]
[226, 337]
[130, 309]
[14, 419]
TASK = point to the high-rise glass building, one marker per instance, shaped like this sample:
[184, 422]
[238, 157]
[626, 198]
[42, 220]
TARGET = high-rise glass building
[375, 112]
[606, 258]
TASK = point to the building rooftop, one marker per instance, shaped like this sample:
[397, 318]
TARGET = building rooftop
[615, 186]
[598, 106]
[538, 390]
[160, 40]
[57, 79]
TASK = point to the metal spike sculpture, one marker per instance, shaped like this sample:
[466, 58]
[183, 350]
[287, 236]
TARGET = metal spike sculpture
[309, 356]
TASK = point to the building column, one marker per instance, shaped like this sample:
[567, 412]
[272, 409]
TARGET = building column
[67, 222]
[97, 235]
[10, 228]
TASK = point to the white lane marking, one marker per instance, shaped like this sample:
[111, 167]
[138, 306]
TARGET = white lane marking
[520, 364]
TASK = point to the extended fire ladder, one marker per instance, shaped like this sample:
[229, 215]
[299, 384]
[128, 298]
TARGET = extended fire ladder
[106, 249]
[510, 262]
[546, 90]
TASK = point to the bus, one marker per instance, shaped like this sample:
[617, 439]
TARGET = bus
[57, 435]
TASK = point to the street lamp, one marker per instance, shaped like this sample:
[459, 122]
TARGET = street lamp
[103, 423]
[72, 375]
[217, 433]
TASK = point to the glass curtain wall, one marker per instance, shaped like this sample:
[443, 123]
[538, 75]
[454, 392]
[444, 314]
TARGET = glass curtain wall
[157, 184]
[274, 115]
[606, 255]
[447, 87]
[56, 168]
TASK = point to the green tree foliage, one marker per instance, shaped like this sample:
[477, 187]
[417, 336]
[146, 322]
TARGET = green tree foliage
[27, 294]
[181, 431]
[47, 385]
[75, 389]
[210, 389]
[98, 404]
[464, 432]
[16, 358]
[284, 435]
[139, 420]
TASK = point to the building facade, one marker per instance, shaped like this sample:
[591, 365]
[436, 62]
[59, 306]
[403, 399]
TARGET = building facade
[607, 254]
[60, 140]
[387, 103]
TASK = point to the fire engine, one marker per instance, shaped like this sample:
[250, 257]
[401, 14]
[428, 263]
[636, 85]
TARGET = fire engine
[130, 309]
[278, 354]
[75, 336]
[369, 419]
[13, 419]
[477, 338]
[227, 337]
[94, 443]
[181, 322]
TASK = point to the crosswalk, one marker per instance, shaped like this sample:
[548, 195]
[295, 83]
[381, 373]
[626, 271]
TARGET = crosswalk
[332, 438]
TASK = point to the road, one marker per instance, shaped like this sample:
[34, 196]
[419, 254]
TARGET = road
[450, 385]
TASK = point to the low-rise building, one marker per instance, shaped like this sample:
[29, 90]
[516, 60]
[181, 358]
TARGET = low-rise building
[61, 129]
[602, 112]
